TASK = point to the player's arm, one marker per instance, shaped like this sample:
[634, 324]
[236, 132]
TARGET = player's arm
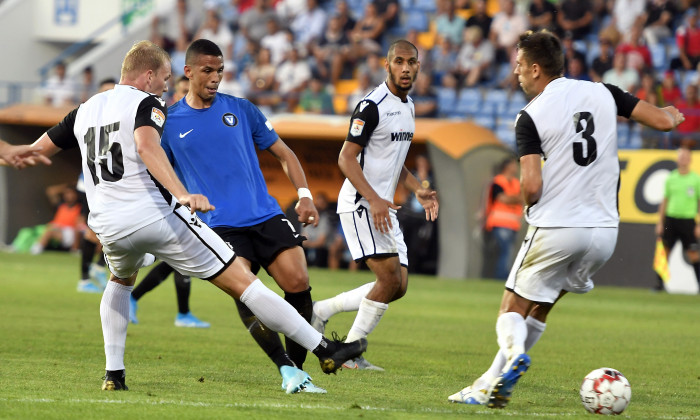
[21, 156]
[148, 147]
[427, 197]
[629, 106]
[364, 120]
[530, 152]
[148, 127]
[305, 208]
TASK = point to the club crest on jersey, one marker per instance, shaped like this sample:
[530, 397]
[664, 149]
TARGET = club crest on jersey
[157, 116]
[230, 119]
[357, 126]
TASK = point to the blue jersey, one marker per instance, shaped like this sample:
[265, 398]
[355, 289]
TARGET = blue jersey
[213, 153]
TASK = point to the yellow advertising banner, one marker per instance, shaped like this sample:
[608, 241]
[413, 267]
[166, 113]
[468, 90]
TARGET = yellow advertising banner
[643, 174]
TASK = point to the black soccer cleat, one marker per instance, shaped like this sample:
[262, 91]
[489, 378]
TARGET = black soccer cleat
[114, 381]
[332, 354]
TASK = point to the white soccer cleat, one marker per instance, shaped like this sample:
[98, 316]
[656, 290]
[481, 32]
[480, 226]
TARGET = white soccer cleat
[470, 396]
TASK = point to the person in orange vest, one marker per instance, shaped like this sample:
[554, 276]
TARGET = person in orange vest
[65, 224]
[504, 215]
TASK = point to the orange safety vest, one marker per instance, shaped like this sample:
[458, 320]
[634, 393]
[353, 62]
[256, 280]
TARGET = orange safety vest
[504, 215]
[66, 216]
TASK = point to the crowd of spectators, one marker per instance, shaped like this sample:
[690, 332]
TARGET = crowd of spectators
[322, 56]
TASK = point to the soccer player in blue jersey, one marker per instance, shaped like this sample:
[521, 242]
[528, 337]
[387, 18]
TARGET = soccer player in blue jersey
[211, 140]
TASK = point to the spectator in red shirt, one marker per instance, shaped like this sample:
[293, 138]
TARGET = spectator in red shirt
[670, 92]
[688, 132]
[638, 55]
[688, 40]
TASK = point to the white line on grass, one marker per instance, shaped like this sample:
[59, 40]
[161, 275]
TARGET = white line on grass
[294, 406]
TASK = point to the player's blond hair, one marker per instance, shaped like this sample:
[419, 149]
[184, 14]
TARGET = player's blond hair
[143, 56]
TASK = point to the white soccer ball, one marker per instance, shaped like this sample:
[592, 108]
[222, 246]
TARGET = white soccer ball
[605, 391]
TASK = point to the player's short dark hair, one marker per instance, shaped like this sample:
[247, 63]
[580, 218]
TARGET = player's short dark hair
[107, 80]
[201, 47]
[400, 43]
[544, 49]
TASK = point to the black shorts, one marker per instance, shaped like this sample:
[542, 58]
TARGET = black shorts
[261, 243]
[683, 229]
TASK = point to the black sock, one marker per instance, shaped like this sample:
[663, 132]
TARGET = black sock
[267, 339]
[301, 301]
[153, 279]
[325, 348]
[87, 253]
[182, 289]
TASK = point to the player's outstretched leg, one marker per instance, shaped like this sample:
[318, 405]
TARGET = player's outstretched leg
[296, 380]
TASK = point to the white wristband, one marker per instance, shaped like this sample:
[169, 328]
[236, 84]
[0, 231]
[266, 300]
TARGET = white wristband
[304, 192]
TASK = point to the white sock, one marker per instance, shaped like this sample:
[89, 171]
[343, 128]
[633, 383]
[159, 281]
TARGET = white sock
[511, 331]
[368, 316]
[535, 329]
[279, 315]
[114, 313]
[344, 302]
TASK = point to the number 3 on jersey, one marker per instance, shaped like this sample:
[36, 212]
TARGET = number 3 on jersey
[581, 158]
[99, 148]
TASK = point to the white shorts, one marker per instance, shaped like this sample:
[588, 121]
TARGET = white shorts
[180, 239]
[555, 259]
[365, 241]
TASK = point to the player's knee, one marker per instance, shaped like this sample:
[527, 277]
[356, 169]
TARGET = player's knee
[295, 282]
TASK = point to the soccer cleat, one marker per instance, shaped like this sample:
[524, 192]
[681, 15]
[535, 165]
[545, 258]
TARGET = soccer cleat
[114, 381]
[133, 306]
[190, 321]
[332, 354]
[317, 322]
[86, 286]
[310, 388]
[360, 363]
[470, 396]
[99, 274]
[504, 384]
[293, 379]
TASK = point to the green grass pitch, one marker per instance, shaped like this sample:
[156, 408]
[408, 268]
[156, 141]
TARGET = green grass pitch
[433, 342]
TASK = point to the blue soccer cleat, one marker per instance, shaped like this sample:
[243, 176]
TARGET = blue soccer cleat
[133, 306]
[190, 321]
[293, 379]
[504, 384]
[99, 274]
[86, 286]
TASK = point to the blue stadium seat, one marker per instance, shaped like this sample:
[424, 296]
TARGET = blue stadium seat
[447, 101]
[505, 131]
[517, 102]
[623, 134]
[416, 19]
[592, 53]
[406, 4]
[689, 77]
[469, 102]
[658, 57]
[428, 6]
[497, 100]
[485, 121]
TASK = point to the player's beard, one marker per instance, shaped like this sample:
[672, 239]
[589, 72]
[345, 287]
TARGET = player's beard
[397, 82]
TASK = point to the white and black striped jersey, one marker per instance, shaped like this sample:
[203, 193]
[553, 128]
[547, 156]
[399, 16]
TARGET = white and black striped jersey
[572, 124]
[383, 125]
[122, 195]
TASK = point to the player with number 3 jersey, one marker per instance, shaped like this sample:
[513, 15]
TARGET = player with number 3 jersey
[567, 143]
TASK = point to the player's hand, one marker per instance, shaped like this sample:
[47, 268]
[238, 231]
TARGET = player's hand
[19, 157]
[379, 209]
[428, 199]
[697, 231]
[306, 210]
[196, 202]
[677, 115]
[659, 229]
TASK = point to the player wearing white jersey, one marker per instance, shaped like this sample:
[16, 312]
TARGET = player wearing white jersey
[571, 201]
[372, 159]
[139, 206]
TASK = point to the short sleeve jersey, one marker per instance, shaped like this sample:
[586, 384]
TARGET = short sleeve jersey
[383, 125]
[572, 125]
[213, 151]
[682, 192]
[122, 195]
